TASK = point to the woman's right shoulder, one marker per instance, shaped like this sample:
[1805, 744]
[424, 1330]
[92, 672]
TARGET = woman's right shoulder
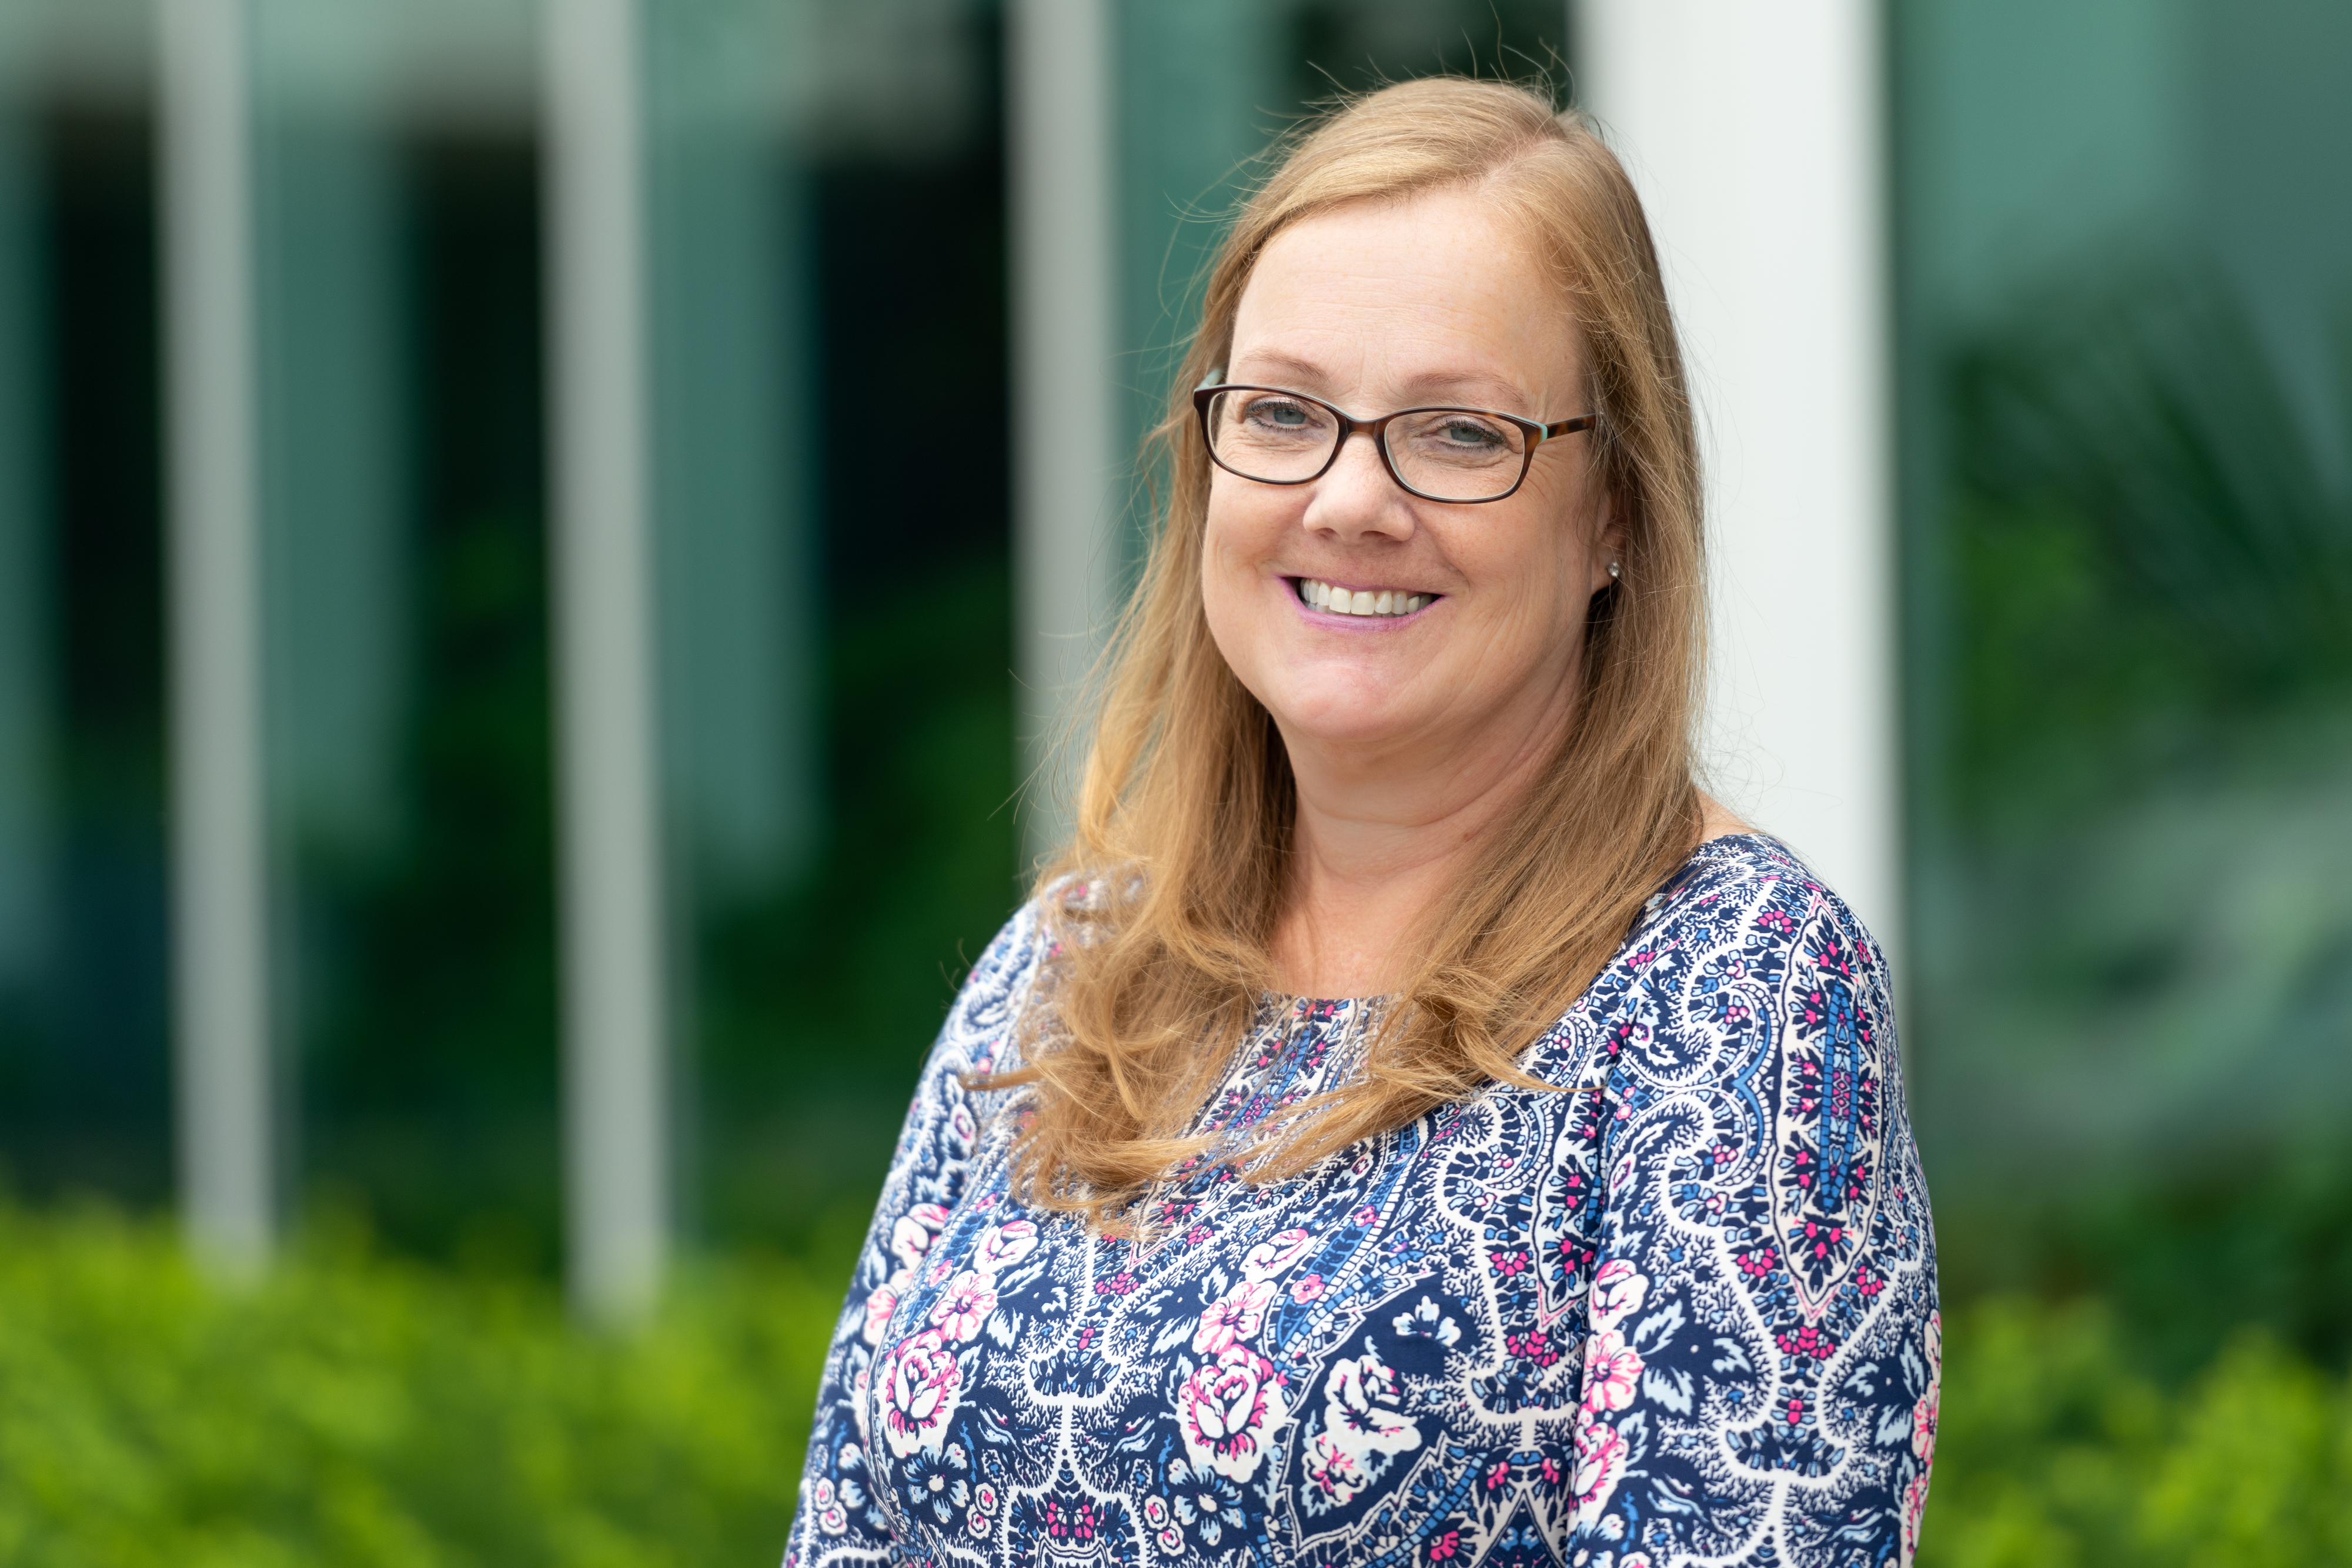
[984, 1027]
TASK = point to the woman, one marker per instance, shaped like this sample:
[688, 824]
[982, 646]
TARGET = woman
[1414, 1124]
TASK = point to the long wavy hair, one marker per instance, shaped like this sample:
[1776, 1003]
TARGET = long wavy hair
[1163, 904]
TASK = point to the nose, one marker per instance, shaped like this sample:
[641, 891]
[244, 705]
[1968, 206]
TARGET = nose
[1355, 498]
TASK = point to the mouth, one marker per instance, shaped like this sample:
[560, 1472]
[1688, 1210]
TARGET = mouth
[1374, 603]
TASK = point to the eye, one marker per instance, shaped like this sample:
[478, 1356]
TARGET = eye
[1461, 430]
[1281, 413]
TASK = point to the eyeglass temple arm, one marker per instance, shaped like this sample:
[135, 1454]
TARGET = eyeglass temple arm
[1570, 427]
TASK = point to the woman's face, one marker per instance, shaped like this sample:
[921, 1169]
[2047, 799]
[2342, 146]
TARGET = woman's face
[1376, 307]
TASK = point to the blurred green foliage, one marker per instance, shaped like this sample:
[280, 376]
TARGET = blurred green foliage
[2131, 960]
[2056, 1449]
[357, 1410]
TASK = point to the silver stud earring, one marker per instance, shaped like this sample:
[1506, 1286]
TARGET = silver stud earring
[1614, 573]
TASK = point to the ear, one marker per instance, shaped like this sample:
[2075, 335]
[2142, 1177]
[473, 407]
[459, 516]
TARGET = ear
[1607, 540]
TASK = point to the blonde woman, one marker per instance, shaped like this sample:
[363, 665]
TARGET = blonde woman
[1412, 1124]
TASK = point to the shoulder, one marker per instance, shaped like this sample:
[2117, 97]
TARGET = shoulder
[982, 1027]
[1742, 937]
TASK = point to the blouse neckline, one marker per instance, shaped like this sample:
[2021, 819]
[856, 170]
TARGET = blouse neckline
[1296, 1005]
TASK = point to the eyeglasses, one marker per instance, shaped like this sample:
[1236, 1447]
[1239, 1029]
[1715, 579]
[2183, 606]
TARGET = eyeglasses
[1456, 455]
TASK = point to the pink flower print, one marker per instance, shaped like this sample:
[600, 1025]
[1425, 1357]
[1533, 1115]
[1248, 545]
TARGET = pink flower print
[1618, 1291]
[1333, 1471]
[1758, 1263]
[1307, 1288]
[912, 1236]
[941, 1272]
[1234, 1316]
[1002, 1245]
[1229, 1408]
[1511, 1263]
[1611, 1370]
[1367, 1215]
[831, 1517]
[1551, 1471]
[1268, 1259]
[1808, 1343]
[1534, 1345]
[1925, 1413]
[1915, 1508]
[1198, 1234]
[1600, 1465]
[921, 1383]
[1499, 1477]
[1445, 1548]
[964, 1308]
[878, 1308]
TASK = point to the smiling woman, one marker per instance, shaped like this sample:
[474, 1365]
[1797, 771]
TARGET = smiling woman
[1411, 1122]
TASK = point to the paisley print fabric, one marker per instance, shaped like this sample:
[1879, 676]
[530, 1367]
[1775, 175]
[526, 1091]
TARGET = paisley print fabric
[1680, 1310]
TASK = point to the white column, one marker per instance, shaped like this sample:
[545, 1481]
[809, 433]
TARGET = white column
[26, 584]
[617, 1174]
[1755, 135]
[1066, 401]
[220, 953]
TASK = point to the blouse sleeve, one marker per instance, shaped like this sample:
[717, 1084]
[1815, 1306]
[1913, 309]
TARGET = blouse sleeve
[838, 1520]
[1761, 1380]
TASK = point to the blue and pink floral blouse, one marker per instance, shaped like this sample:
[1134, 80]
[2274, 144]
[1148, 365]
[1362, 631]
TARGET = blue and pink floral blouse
[1681, 1311]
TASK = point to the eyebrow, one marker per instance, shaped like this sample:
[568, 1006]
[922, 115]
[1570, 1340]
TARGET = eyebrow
[1443, 383]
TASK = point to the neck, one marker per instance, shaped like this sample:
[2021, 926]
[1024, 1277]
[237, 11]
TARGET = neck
[1385, 832]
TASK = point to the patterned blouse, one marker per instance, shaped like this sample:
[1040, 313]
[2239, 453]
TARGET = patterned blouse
[1681, 1310]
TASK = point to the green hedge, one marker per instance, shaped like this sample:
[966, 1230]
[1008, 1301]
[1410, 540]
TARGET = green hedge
[2055, 1450]
[356, 1410]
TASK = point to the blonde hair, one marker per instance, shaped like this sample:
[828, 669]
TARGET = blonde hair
[1163, 905]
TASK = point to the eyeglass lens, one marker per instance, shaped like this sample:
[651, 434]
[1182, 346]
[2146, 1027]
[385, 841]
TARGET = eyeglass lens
[1447, 453]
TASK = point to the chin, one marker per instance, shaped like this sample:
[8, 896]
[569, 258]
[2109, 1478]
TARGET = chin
[1352, 717]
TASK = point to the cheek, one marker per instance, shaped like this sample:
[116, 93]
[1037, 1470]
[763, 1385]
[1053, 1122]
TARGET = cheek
[1229, 557]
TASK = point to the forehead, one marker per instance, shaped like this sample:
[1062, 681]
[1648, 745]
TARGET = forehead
[1442, 287]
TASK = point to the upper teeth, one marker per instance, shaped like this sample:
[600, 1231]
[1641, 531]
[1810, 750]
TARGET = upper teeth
[1361, 601]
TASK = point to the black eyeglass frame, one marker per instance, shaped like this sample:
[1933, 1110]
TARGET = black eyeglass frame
[1538, 433]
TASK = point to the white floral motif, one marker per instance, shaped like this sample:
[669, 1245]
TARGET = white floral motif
[1617, 1293]
[1229, 1408]
[1429, 1322]
[965, 1306]
[1925, 1414]
[912, 1235]
[1360, 1410]
[1002, 1245]
[1268, 1259]
[831, 1517]
[1233, 1317]
[1600, 1462]
[879, 1306]
[921, 1382]
[1359, 1419]
[1611, 1371]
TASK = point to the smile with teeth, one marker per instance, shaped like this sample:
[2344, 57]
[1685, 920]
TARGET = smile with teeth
[1363, 602]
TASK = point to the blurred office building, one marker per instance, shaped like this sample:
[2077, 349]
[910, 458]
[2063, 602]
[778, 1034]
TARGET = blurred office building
[538, 539]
